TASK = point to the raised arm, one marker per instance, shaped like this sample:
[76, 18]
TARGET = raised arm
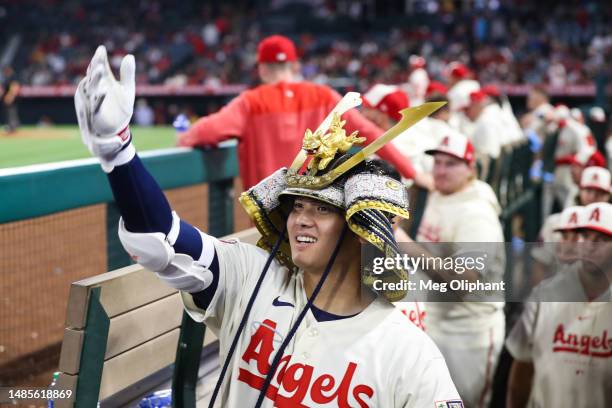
[150, 232]
[229, 122]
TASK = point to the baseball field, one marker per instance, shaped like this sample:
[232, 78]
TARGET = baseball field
[45, 144]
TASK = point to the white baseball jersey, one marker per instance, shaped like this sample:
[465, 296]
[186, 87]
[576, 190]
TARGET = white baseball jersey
[574, 137]
[469, 334]
[511, 123]
[373, 359]
[470, 215]
[415, 311]
[570, 345]
[490, 134]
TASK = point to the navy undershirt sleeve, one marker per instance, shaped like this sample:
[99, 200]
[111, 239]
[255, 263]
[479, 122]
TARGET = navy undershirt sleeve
[144, 208]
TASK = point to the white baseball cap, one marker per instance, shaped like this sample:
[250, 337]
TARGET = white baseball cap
[570, 218]
[597, 217]
[597, 114]
[596, 177]
[576, 113]
[562, 112]
[459, 95]
[388, 99]
[455, 144]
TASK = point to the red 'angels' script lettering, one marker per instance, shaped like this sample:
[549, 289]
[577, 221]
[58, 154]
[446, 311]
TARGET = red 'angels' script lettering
[298, 378]
[595, 346]
[416, 316]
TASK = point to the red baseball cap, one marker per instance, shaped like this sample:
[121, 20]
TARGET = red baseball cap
[478, 96]
[276, 48]
[459, 70]
[436, 87]
[388, 99]
[456, 145]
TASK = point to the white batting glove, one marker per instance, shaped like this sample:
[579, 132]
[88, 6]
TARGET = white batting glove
[104, 108]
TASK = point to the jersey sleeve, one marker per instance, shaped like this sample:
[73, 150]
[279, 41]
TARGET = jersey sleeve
[230, 122]
[240, 265]
[520, 341]
[435, 387]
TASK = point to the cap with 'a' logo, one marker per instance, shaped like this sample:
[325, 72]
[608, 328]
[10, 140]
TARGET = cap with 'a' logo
[570, 218]
[457, 145]
[276, 48]
[596, 177]
[597, 217]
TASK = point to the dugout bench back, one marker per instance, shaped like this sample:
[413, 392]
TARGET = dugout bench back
[122, 327]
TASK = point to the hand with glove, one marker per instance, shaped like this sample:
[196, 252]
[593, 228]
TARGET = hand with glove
[104, 108]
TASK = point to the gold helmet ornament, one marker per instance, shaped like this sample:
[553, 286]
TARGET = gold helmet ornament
[325, 170]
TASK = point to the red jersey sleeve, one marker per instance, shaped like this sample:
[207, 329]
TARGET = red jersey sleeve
[356, 121]
[229, 122]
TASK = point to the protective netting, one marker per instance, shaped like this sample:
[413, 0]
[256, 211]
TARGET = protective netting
[40, 258]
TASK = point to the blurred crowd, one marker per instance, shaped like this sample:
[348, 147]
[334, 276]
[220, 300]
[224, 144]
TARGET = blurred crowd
[346, 43]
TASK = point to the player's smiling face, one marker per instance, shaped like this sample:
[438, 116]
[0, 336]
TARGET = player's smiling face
[314, 228]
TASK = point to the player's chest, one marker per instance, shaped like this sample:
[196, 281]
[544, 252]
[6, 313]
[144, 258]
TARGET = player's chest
[437, 224]
[320, 367]
[577, 340]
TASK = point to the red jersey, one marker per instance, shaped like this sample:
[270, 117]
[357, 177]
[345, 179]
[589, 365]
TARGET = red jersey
[269, 122]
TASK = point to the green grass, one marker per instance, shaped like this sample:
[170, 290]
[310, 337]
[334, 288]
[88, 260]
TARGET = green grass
[35, 145]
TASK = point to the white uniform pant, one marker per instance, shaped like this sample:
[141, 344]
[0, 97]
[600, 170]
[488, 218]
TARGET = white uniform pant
[472, 368]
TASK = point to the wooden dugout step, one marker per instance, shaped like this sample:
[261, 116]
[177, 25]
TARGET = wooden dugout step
[144, 326]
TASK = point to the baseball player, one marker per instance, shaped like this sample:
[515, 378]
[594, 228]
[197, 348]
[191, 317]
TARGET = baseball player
[490, 133]
[296, 326]
[595, 187]
[460, 85]
[562, 350]
[540, 109]
[503, 109]
[382, 104]
[269, 120]
[462, 210]
[575, 138]
[418, 80]
[580, 162]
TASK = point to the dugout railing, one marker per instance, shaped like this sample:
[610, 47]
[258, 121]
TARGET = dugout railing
[58, 225]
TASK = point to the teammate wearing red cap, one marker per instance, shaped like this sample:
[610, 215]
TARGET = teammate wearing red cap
[562, 349]
[490, 134]
[269, 120]
[418, 80]
[382, 105]
[464, 210]
[460, 86]
[595, 187]
[575, 140]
